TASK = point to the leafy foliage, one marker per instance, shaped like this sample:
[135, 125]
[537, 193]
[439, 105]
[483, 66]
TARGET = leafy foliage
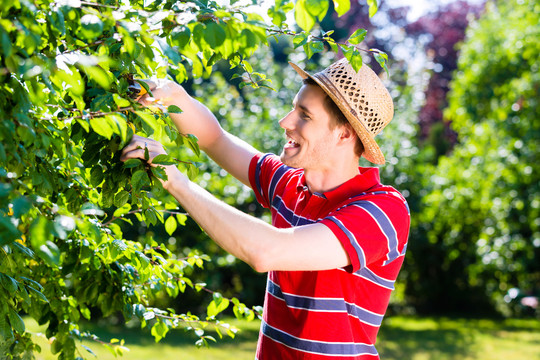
[66, 100]
[479, 224]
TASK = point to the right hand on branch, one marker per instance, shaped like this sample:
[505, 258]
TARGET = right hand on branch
[164, 92]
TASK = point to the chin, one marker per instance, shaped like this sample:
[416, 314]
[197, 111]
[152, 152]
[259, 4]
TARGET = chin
[290, 162]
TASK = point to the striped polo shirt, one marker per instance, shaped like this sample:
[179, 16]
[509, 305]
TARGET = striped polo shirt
[331, 314]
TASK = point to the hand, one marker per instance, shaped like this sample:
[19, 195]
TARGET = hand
[136, 149]
[164, 93]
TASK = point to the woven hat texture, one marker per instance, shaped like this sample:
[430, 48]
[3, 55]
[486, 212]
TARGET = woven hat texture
[362, 98]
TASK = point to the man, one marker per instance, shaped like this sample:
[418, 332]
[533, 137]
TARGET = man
[338, 236]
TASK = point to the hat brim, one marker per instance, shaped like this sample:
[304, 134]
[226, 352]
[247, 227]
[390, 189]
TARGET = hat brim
[372, 152]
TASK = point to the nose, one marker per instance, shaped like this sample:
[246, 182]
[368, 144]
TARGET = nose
[287, 122]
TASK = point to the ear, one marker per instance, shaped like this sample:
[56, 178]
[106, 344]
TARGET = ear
[347, 134]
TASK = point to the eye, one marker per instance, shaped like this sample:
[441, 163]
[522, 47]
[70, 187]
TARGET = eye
[305, 116]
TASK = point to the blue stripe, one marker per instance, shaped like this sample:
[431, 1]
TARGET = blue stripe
[317, 347]
[258, 174]
[278, 174]
[371, 276]
[386, 226]
[352, 240]
[325, 305]
[404, 249]
[294, 220]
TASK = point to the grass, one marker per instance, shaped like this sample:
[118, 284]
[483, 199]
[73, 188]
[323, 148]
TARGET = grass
[400, 338]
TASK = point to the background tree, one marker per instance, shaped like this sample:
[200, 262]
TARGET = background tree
[479, 223]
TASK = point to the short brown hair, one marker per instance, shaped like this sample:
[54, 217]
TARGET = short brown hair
[337, 115]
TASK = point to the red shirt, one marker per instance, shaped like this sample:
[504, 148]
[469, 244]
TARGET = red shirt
[331, 314]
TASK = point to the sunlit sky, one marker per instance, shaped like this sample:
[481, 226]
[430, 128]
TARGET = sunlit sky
[422, 7]
[417, 7]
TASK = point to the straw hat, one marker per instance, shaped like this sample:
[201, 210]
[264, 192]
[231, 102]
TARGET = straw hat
[362, 98]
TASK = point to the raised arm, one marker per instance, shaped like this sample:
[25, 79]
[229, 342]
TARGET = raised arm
[231, 153]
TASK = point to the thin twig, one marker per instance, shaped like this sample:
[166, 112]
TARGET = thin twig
[140, 211]
[98, 5]
[321, 39]
[84, 47]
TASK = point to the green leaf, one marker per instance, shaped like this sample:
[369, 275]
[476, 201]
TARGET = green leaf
[16, 321]
[342, 6]
[180, 36]
[373, 7]
[357, 37]
[170, 225]
[382, 59]
[159, 330]
[300, 39]
[6, 43]
[120, 101]
[121, 198]
[164, 159]
[99, 75]
[21, 205]
[102, 126]
[9, 283]
[159, 172]
[146, 154]
[303, 17]
[214, 35]
[217, 305]
[353, 55]
[37, 293]
[317, 8]
[89, 350]
[139, 179]
[96, 175]
[150, 216]
[313, 48]
[91, 26]
[5, 329]
[181, 218]
[119, 125]
[50, 253]
[192, 143]
[39, 232]
[173, 109]
[122, 210]
[131, 163]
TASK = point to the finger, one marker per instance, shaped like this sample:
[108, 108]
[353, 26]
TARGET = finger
[133, 154]
[136, 142]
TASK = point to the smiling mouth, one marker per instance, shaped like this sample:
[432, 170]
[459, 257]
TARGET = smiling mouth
[291, 144]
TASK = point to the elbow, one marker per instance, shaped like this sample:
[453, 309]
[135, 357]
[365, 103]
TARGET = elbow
[260, 263]
[261, 259]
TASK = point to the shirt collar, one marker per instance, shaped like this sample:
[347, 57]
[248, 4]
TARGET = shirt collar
[367, 178]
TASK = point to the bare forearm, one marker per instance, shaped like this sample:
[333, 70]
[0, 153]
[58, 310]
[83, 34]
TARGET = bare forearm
[195, 118]
[228, 151]
[242, 235]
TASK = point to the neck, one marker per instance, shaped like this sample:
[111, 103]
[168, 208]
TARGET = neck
[324, 180]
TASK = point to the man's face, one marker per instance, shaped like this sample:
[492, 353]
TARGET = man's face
[307, 127]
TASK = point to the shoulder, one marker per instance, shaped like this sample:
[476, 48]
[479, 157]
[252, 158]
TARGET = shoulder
[382, 196]
[384, 207]
[270, 165]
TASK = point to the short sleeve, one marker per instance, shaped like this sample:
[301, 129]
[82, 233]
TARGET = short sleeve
[267, 174]
[372, 230]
